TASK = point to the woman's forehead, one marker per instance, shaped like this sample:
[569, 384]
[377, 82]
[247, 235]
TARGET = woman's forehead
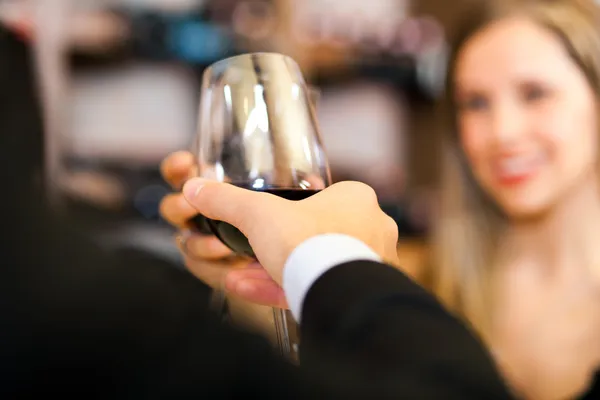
[515, 48]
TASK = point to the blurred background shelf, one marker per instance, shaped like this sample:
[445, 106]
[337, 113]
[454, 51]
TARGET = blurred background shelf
[121, 92]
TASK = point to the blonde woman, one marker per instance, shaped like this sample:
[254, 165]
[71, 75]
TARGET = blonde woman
[516, 252]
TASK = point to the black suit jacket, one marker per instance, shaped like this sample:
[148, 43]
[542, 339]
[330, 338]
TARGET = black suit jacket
[77, 320]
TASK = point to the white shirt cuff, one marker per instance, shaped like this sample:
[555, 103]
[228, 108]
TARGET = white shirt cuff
[315, 256]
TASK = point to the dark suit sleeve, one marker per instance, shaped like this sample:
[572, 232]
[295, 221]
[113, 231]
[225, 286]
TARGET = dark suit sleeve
[78, 320]
[380, 330]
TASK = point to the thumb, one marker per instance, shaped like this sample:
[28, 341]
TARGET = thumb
[225, 202]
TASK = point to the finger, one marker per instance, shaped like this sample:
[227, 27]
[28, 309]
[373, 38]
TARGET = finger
[260, 291]
[176, 209]
[248, 273]
[206, 247]
[225, 202]
[176, 168]
[247, 284]
[211, 273]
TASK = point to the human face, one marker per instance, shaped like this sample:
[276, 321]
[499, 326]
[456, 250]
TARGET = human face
[526, 116]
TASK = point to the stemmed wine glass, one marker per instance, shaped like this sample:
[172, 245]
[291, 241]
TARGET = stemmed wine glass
[258, 130]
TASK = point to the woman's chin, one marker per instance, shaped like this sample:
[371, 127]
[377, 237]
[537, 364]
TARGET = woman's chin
[525, 211]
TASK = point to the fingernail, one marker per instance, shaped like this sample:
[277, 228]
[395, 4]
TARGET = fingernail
[192, 188]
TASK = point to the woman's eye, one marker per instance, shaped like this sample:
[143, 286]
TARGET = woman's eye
[534, 93]
[474, 103]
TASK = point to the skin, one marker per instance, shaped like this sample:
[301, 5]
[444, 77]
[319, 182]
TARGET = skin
[528, 126]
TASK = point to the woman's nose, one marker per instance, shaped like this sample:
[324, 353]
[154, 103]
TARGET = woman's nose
[508, 123]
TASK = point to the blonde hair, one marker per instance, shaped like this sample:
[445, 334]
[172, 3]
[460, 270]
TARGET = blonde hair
[469, 224]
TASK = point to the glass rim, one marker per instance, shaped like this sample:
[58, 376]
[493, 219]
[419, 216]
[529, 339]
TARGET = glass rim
[233, 59]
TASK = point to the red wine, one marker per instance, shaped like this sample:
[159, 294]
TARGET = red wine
[229, 234]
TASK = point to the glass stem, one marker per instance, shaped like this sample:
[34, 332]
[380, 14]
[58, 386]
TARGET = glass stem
[218, 299]
[282, 332]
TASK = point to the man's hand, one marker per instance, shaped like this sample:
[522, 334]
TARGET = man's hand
[276, 226]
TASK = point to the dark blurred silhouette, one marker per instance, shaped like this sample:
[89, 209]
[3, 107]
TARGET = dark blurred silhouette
[21, 131]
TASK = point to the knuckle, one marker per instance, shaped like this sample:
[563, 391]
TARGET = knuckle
[370, 192]
[390, 226]
[365, 192]
[357, 188]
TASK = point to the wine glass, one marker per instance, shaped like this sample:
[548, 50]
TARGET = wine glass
[258, 130]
